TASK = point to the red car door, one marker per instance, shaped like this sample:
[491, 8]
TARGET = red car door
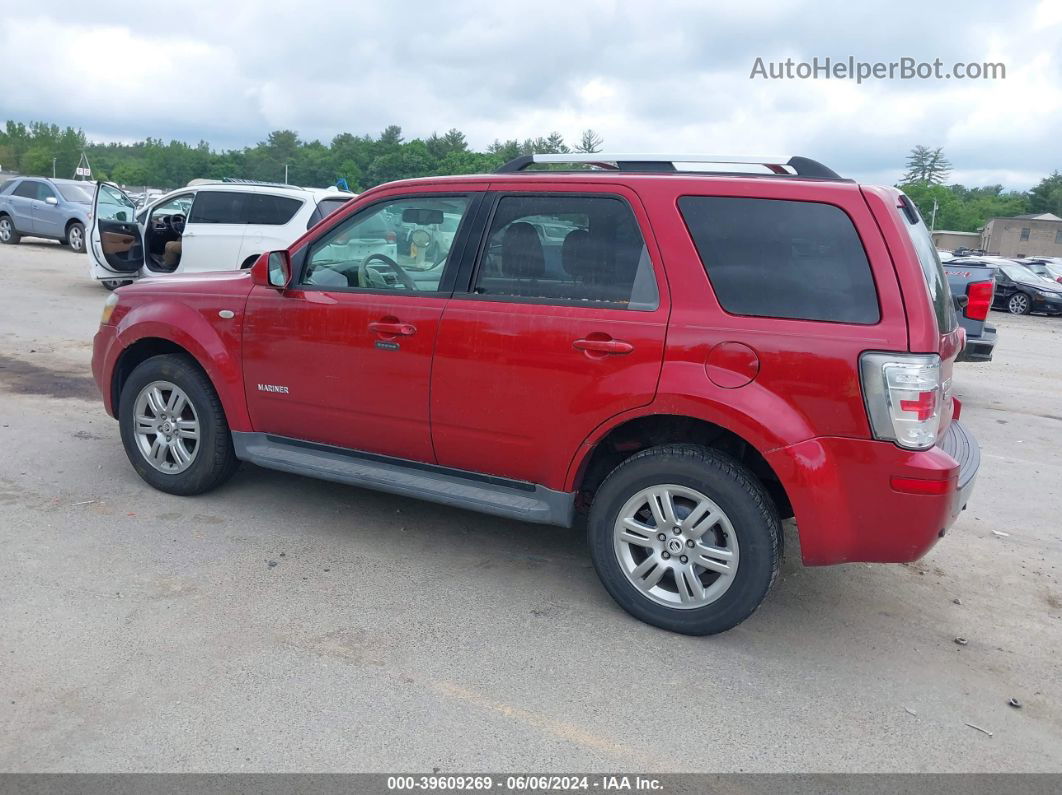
[562, 326]
[343, 356]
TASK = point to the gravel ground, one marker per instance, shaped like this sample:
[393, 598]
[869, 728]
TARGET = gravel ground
[285, 624]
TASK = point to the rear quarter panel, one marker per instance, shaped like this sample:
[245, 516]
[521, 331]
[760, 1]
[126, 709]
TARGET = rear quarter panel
[807, 382]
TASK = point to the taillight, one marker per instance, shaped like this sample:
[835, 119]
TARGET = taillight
[980, 299]
[903, 396]
[391, 237]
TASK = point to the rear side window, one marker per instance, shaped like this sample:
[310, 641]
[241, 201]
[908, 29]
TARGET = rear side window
[567, 249]
[929, 260]
[267, 210]
[325, 208]
[784, 259]
[7, 187]
[218, 207]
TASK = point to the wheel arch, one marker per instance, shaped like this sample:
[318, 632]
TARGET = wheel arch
[615, 444]
[186, 332]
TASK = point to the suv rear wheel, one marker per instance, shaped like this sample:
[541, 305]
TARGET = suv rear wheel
[174, 428]
[8, 234]
[685, 538]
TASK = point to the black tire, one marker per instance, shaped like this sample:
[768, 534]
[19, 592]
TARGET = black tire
[1019, 304]
[75, 237]
[215, 460]
[735, 490]
[8, 233]
[114, 284]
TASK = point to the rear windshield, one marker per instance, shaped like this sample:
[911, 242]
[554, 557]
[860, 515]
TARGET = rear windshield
[936, 281]
[784, 259]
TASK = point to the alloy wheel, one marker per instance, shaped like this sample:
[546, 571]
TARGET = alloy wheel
[1018, 304]
[676, 546]
[76, 239]
[5, 230]
[166, 427]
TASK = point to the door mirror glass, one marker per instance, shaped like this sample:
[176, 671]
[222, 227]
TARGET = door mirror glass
[51, 200]
[279, 269]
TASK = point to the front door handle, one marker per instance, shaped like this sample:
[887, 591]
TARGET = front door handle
[393, 329]
[605, 346]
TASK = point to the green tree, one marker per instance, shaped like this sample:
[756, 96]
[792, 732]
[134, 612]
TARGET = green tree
[1046, 197]
[589, 142]
[926, 166]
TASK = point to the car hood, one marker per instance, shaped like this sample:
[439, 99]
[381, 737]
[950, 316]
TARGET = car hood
[210, 282]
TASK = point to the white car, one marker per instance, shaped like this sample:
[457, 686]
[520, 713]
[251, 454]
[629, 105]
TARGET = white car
[207, 226]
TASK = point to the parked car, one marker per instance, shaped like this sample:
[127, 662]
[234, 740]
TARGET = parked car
[203, 227]
[1020, 291]
[56, 209]
[707, 354]
[1048, 268]
[973, 285]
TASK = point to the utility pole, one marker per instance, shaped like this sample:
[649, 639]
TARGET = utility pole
[285, 173]
[933, 218]
[53, 168]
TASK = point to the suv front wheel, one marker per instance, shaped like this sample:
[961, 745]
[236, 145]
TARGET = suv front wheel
[685, 538]
[173, 426]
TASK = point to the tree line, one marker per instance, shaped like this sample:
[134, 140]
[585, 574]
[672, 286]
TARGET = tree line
[365, 160]
[362, 160]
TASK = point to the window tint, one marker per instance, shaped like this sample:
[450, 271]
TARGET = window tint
[325, 208]
[27, 189]
[786, 259]
[569, 249]
[363, 252]
[218, 207]
[932, 269]
[7, 187]
[261, 208]
[77, 192]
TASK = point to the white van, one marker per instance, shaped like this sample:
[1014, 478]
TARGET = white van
[206, 226]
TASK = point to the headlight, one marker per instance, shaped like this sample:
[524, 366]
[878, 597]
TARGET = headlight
[108, 309]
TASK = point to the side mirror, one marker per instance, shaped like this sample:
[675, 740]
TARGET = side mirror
[272, 270]
[51, 200]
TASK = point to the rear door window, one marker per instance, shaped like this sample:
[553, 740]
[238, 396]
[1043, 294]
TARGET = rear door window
[557, 248]
[27, 189]
[218, 207]
[784, 259]
[268, 210]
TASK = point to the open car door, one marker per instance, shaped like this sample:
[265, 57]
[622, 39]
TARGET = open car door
[116, 240]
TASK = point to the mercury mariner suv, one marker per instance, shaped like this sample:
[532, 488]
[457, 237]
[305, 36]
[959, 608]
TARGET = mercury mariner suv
[676, 357]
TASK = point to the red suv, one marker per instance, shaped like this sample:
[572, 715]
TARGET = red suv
[680, 357]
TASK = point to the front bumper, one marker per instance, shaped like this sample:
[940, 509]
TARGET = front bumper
[105, 351]
[847, 509]
[1051, 305]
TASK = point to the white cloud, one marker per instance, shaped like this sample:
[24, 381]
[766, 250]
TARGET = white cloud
[652, 77]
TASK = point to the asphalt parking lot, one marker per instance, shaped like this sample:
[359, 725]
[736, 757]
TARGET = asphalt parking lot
[285, 624]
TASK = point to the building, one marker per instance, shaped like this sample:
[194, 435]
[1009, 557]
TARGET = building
[1034, 235]
[947, 240]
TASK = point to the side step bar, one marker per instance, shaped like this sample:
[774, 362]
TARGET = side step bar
[512, 499]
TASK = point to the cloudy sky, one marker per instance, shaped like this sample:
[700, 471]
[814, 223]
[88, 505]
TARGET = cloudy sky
[648, 76]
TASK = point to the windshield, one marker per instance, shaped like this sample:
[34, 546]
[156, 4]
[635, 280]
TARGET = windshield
[74, 192]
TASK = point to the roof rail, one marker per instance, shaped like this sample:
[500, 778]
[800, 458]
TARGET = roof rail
[780, 166]
[239, 181]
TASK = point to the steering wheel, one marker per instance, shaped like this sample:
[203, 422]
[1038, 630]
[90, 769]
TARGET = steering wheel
[367, 276]
[176, 223]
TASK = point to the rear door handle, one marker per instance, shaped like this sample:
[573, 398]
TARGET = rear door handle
[393, 329]
[603, 346]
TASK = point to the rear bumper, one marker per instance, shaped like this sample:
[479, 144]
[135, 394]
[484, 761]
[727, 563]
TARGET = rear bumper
[847, 509]
[979, 348]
